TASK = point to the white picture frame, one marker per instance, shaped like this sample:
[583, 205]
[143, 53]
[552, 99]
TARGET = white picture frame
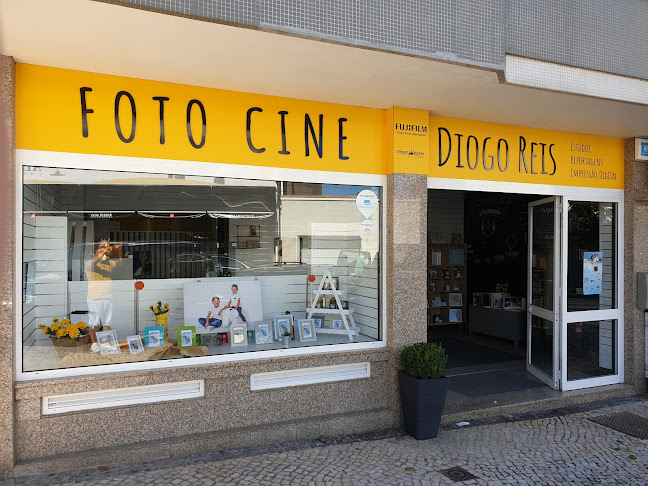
[108, 343]
[135, 345]
[264, 333]
[239, 335]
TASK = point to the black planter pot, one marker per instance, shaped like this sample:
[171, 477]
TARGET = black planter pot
[423, 402]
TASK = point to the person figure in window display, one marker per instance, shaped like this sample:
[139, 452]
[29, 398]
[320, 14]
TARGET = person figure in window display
[210, 323]
[99, 271]
[235, 302]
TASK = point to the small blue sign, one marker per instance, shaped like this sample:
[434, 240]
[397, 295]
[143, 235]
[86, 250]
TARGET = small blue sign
[644, 149]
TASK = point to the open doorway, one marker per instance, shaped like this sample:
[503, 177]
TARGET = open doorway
[477, 296]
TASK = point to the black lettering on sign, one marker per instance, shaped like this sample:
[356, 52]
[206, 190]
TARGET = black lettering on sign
[133, 116]
[161, 99]
[492, 158]
[203, 115]
[522, 156]
[552, 159]
[248, 129]
[441, 129]
[308, 126]
[284, 149]
[471, 167]
[84, 111]
[341, 139]
[499, 161]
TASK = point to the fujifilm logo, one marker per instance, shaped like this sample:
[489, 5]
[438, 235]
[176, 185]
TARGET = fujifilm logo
[403, 127]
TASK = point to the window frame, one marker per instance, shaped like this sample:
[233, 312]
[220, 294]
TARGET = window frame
[35, 158]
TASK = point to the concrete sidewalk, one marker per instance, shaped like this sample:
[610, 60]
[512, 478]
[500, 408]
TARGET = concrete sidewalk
[560, 447]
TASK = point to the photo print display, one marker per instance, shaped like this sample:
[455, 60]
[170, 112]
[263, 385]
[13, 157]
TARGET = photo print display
[306, 330]
[239, 335]
[108, 343]
[135, 345]
[264, 333]
[186, 336]
[214, 305]
[282, 324]
[154, 336]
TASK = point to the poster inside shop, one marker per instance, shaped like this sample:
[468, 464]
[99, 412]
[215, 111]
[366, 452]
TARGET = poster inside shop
[592, 273]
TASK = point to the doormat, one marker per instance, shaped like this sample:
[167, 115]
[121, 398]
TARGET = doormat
[491, 383]
[625, 422]
[457, 474]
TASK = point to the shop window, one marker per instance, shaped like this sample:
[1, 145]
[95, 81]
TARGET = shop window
[128, 267]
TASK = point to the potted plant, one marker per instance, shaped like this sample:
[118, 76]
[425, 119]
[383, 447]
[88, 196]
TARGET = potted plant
[423, 388]
[286, 338]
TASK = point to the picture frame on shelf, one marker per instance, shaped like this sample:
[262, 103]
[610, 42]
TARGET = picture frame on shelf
[455, 299]
[264, 334]
[154, 336]
[135, 345]
[336, 283]
[455, 315]
[327, 284]
[306, 329]
[108, 343]
[336, 324]
[186, 336]
[239, 335]
[317, 323]
[250, 336]
[282, 324]
[433, 273]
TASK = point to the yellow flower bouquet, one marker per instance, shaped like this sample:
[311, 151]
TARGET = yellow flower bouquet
[64, 333]
[159, 309]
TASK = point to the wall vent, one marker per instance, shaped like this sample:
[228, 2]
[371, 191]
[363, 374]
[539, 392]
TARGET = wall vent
[119, 397]
[309, 376]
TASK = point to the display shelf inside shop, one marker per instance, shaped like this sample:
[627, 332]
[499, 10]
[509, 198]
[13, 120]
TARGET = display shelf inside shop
[447, 280]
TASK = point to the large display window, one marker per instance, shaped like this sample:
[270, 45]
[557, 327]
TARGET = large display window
[123, 267]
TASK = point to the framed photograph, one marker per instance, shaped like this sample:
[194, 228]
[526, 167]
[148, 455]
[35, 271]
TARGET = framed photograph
[282, 324]
[337, 324]
[108, 343]
[345, 304]
[264, 333]
[336, 283]
[239, 335]
[455, 300]
[250, 336]
[186, 336]
[306, 329]
[327, 284]
[456, 273]
[317, 323]
[433, 274]
[135, 345]
[478, 299]
[158, 336]
[497, 300]
[455, 315]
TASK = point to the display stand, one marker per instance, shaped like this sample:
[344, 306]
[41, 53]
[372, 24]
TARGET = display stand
[350, 328]
[447, 302]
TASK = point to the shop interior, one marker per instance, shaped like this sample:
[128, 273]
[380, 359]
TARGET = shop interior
[477, 289]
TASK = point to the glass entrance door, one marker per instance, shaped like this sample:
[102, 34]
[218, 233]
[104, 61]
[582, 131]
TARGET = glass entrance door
[592, 317]
[543, 308]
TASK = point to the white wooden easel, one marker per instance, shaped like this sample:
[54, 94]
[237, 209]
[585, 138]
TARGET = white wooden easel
[350, 328]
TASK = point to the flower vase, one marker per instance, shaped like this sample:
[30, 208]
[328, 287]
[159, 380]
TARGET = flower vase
[161, 320]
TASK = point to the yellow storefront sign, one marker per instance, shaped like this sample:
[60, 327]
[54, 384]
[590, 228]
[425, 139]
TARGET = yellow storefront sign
[462, 149]
[70, 111]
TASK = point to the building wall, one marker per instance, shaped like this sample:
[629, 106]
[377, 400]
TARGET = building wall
[602, 35]
[7, 255]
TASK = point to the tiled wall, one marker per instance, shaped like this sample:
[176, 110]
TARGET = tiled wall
[603, 35]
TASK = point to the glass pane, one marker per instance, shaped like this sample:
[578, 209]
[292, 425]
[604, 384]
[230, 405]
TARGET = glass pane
[542, 348]
[209, 260]
[542, 259]
[591, 349]
[591, 256]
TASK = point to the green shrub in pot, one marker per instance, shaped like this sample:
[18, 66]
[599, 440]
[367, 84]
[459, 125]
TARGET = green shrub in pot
[423, 388]
[424, 361]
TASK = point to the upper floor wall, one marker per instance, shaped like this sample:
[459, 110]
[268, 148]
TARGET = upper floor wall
[600, 35]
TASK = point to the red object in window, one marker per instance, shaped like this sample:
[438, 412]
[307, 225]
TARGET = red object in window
[311, 278]
[225, 338]
[139, 285]
[171, 215]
